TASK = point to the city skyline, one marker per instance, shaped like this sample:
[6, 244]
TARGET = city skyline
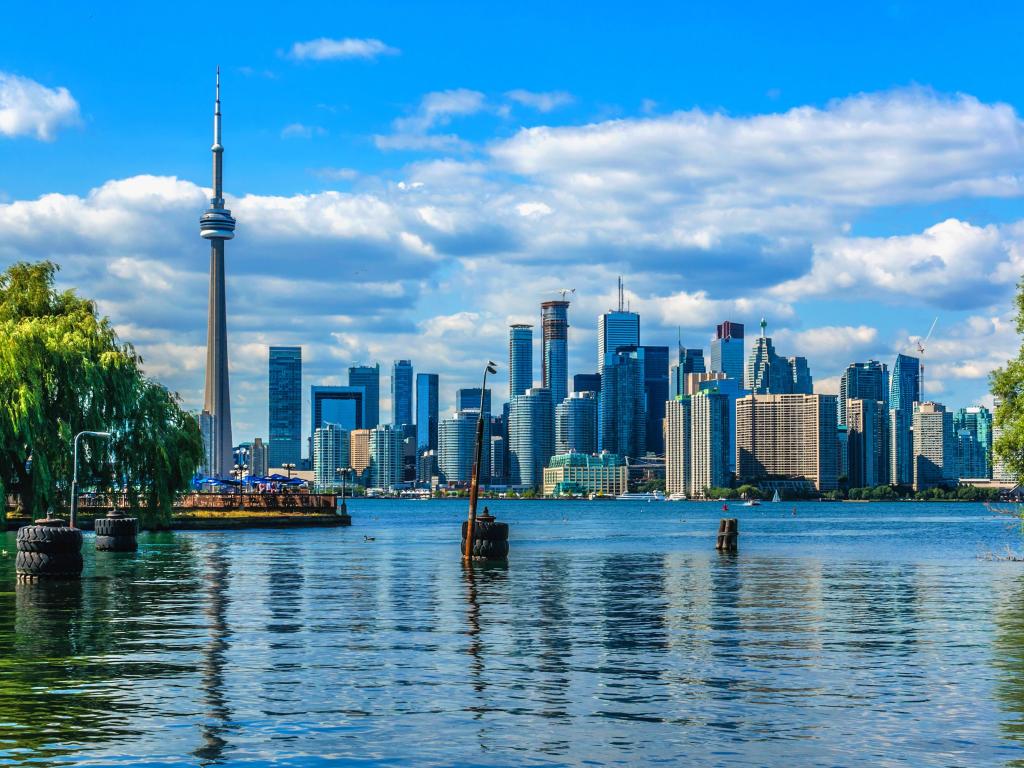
[372, 187]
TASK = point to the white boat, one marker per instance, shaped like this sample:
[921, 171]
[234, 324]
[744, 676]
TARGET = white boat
[677, 496]
[775, 497]
[647, 496]
[752, 503]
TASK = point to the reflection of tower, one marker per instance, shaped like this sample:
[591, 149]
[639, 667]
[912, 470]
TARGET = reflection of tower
[555, 365]
[213, 663]
[216, 225]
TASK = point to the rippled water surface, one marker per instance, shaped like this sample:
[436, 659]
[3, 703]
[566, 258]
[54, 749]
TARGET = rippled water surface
[841, 634]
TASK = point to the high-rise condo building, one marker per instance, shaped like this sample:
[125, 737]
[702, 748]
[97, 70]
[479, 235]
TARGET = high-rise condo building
[531, 437]
[976, 453]
[787, 436]
[426, 411]
[800, 376]
[710, 420]
[727, 350]
[866, 432]
[259, 458]
[901, 447]
[615, 329]
[688, 361]
[656, 393]
[693, 383]
[576, 423]
[331, 445]
[499, 460]
[520, 359]
[359, 451]
[469, 399]
[385, 456]
[905, 386]
[456, 443]
[677, 445]
[863, 381]
[217, 226]
[344, 406]
[733, 391]
[586, 382]
[555, 363]
[934, 447]
[622, 415]
[368, 377]
[401, 393]
[285, 401]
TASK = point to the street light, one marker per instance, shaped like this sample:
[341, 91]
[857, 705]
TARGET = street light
[474, 483]
[344, 474]
[74, 472]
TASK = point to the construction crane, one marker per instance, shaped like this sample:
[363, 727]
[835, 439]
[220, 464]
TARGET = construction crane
[920, 350]
[565, 292]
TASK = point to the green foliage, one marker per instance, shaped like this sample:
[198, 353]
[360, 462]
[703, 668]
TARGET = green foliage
[650, 486]
[749, 492]
[1008, 388]
[721, 493]
[63, 370]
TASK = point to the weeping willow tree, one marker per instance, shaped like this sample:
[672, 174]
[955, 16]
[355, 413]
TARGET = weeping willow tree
[63, 370]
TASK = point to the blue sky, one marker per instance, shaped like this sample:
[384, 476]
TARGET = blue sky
[409, 178]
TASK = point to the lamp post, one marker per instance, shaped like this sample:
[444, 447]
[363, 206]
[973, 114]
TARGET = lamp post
[474, 483]
[74, 472]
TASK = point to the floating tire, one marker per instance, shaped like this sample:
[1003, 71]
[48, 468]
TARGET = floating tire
[116, 544]
[484, 549]
[49, 540]
[116, 526]
[62, 565]
[486, 530]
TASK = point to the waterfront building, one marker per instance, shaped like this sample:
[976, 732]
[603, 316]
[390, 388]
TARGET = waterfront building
[456, 444]
[580, 474]
[586, 382]
[385, 456]
[344, 406]
[656, 393]
[710, 420]
[866, 430]
[217, 225]
[688, 362]
[426, 411]
[934, 447]
[359, 451]
[727, 350]
[520, 359]
[901, 447]
[622, 416]
[367, 377]
[259, 458]
[863, 381]
[531, 437]
[284, 397]
[616, 329]
[401, 393]
[977, 420]
[499, 460]
[843, 440]
[555, 361]
[426, 468]
[331, 446]
[733, 390]
[678, 445]
[970, 455]
[787, 436]
[576, 424]
[469, 399]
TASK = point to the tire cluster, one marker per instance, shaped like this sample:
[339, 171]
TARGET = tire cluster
[50, 550]
[116, 534]
[490, 540]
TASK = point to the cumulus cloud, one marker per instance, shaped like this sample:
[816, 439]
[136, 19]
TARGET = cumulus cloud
[325, 48]
[435, 109]
[28, 108]
[301, 131]
[541, 101]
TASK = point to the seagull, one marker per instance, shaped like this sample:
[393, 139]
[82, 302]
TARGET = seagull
[369, 538]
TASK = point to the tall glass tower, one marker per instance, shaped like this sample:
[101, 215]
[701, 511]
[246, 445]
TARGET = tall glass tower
[285, 402]
[656, 386]
[217, 225]
[531, 436]
[727, 350]
[520, 359]
[401, 393]
[905, 386]
[426, 412]
[368, 377]
[617, 328]
[622, 420]
[555, 365]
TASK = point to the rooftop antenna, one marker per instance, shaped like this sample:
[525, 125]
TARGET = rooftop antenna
[764, 324]
[621, 294]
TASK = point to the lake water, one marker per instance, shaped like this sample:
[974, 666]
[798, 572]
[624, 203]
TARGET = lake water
[840, 635]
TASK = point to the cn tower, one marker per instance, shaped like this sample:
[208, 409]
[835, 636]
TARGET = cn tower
[217, 225]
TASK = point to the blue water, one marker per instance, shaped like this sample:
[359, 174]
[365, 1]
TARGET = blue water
[842, 635]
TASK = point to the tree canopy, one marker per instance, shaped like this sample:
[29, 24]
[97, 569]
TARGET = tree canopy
[1008, 389]
[63, 369]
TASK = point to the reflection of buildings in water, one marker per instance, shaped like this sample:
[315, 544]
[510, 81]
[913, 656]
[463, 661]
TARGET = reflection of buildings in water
[213, 662]
[1009, 660]
[484, 584]
[554, 631]
[281, 677]
[412, 593]
[634, 604]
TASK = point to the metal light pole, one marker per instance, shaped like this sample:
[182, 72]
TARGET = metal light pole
[344, 474]
[474, 483]
[74, 473]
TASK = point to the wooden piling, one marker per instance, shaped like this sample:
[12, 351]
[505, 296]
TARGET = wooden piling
[728, 535]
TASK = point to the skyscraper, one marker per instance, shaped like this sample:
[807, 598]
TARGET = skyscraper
[555, 364]
[867, 457]
[285, 402]
[331, 445]
[977, 421]
[733, 391]
[727, 350]
[520, 359]
[768, 373]
[368, 377]
[688, 361]
[576, 424]
[456, 443]
[934, 447]
[401, 393]
[863, 381]
[617, 328]
[905, 387]
[656, 393]
[385, 456]
[622, 419]
[344, 406]
[217, 225]
[677, 445]
[531, 436]
[904, 392]
[800, 376]
[710, 419]
[787, 436]
[426, 412]
[586, 382]
[468, 398]
[259, 463]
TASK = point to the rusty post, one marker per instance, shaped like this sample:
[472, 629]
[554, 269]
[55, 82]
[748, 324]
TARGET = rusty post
[474, 482]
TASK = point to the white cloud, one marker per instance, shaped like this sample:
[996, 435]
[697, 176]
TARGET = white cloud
[543, 101]
[435, 109]
[30, 109]
[325, 48]
[301, 131]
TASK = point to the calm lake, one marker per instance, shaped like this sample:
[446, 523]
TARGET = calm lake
[840, 635]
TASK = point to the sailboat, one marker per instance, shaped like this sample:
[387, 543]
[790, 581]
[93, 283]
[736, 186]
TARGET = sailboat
[775, 497]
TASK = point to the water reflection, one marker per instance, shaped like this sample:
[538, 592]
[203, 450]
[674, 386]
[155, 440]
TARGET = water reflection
[214, 728]
[1009, 661]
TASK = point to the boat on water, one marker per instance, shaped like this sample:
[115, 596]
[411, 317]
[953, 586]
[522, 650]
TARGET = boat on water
[646, 496]
[775, 497]
[677, 496]
[752, 503]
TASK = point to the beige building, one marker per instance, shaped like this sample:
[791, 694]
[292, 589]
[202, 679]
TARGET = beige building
[677, 446]
[579, 473]
[787, 436]
[934, 447]
[359, 449]
[694, 380]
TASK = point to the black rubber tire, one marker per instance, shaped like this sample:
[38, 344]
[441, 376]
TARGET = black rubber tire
[63, 565]
[52, 541]
[488, 550]
[116, 544]
[486, 530]
[116, 526]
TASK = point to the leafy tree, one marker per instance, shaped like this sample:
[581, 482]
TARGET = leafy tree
[1008, 388]
[62, 370]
